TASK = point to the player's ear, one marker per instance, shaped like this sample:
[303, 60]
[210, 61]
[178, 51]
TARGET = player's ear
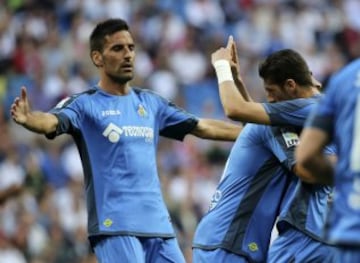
[290, 86]
[96, 58]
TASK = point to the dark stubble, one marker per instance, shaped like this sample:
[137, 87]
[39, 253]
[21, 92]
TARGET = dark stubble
[120, 79]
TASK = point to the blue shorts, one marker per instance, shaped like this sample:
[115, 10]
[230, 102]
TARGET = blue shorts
[294, 246]
[216, 256]
[131, 249]
[347, 254]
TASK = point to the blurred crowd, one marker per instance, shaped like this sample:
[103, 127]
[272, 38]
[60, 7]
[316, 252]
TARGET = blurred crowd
[44, 46]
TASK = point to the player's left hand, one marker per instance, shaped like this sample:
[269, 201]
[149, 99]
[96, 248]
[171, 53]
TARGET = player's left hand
[234, 62]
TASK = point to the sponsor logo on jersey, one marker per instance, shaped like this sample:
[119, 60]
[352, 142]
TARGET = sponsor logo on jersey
[114, 132]
[215, 199]
[291, 139]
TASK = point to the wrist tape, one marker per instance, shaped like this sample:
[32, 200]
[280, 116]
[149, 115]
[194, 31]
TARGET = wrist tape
[223, 71]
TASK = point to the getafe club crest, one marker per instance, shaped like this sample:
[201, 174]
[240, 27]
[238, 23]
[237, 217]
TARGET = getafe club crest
[141, 111]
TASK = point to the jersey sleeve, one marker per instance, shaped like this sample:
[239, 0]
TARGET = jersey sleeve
[68, 113]
[323, 114]
[290, 112]
[175, 122]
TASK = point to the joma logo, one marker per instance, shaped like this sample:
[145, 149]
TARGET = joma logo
[110, 112]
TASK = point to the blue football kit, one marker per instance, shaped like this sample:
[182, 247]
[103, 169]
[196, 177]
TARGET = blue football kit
[255, 177]
[255, 182]
[117, 138]
[131, 249]
[338, 114]
[303, 211]
[301, 224]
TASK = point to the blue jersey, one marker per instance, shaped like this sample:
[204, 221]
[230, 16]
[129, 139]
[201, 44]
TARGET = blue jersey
[117, 139]
[255, 180]
[290, 112]
[247, 199]
[305, 206]
[338, 114]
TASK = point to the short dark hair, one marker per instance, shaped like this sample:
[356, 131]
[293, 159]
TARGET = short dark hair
[104, 28]
[285, 64]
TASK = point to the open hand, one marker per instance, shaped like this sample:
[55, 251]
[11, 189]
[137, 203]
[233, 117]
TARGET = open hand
[234, 62]
[228, 53]
[20, 107]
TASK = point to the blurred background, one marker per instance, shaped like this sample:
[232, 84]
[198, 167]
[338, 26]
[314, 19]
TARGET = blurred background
[44, 46]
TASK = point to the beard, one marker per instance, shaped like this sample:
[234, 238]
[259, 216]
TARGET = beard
[121, 79]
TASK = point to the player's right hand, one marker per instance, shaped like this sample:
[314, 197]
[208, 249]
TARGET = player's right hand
[221, 54]
[228, 53]
[20, 107]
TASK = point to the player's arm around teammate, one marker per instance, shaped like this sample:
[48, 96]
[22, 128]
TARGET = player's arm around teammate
[216, 130]
[315, 166]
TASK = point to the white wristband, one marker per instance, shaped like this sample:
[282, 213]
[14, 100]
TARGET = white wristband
[223, 71]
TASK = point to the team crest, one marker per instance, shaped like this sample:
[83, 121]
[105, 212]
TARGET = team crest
[141, 111]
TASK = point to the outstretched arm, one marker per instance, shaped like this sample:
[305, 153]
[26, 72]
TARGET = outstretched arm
[36, 121]
[237, 105]
[216, 130]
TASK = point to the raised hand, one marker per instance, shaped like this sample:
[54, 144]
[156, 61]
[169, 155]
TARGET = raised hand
[223, 53]
[229, 53]
[234, 62]
[20, 107]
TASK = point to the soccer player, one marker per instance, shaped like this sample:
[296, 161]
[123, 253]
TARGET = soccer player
[259, 170]
[116, 128]
[337, 119]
